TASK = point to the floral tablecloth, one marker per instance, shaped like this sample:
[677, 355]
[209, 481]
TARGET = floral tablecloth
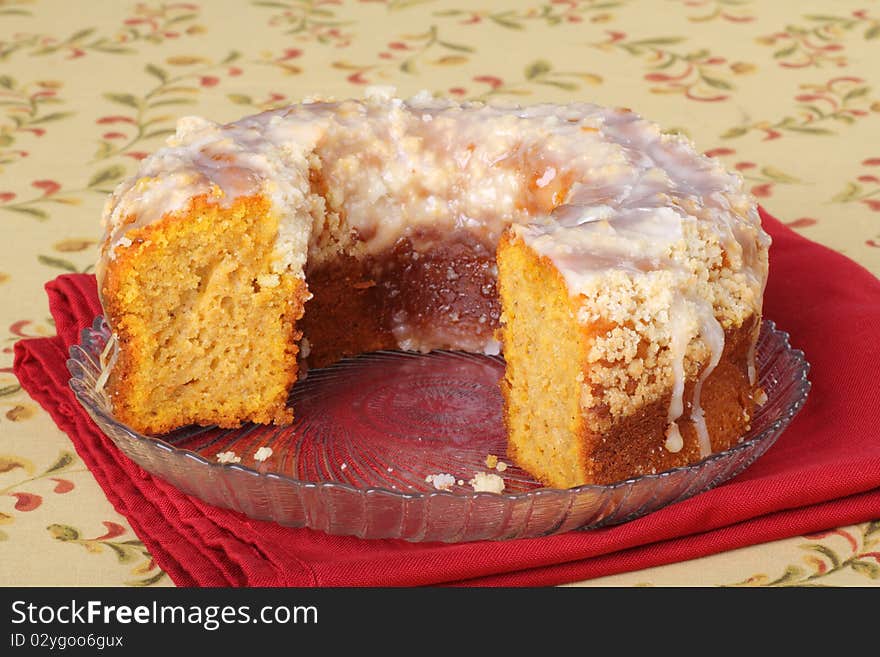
[786, 92]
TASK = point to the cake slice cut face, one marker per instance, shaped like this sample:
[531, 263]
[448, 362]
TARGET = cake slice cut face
[206, 330]
[620, 272]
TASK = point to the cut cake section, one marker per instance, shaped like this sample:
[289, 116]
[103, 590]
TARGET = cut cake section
[206, 330]
[562, 428]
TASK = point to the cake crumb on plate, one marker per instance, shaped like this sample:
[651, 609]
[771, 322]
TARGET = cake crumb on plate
[760, 397]
[494, 463]
[485, 482]
[228, 457]
[441, 481]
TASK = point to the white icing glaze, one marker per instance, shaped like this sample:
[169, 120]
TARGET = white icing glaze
[753, 370]
[753, 346]
[713, 335]
[682, 330]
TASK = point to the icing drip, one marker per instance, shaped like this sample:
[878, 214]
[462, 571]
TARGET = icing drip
[107, 361]
[753, 369]
[681, 325]
[753, 347]
[713, 336]
[674, 441]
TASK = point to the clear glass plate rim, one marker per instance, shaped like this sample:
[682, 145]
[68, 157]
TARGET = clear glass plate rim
[99, 328]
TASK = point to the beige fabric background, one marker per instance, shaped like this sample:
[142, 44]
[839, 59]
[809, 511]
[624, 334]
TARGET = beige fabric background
[786, 92]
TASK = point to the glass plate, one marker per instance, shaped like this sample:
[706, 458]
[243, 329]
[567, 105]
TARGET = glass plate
[370, 430]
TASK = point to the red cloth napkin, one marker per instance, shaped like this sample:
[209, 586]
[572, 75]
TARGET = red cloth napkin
[823, 472]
